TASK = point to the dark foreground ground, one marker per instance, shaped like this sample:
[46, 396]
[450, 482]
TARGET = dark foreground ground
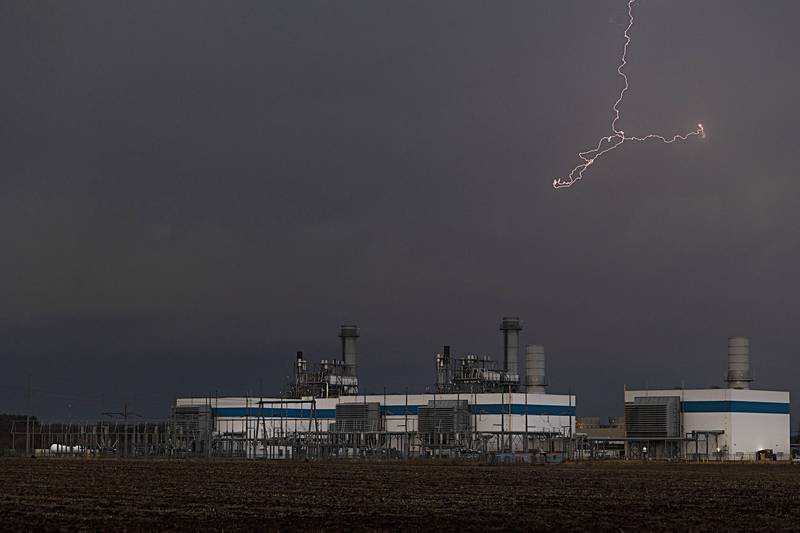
[102, 495]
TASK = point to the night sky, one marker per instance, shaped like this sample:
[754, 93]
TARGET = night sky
[191, 191]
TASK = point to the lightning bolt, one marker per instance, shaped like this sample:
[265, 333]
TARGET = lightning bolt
[618, 137]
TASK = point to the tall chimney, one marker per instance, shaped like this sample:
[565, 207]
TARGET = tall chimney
[443, 369]
[349, 334]
[510, 327]
[534, 369]
[738, 363]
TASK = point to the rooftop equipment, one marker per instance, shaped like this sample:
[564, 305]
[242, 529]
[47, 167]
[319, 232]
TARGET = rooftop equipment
[332, 377]
[474, 373]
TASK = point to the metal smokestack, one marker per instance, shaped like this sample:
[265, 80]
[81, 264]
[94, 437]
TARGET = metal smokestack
[510, 326]
[443, 369]
[534, 369]
[349, 334]
[738, 363]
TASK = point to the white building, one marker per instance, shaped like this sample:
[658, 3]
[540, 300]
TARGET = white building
[725, 424]
[490, 415]
[732, 423]
[325, 415]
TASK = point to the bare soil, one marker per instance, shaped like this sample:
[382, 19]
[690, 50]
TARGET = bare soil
[105, 495]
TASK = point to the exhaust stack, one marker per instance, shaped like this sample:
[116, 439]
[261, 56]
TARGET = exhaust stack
[534, 369]
[349, 335]
[511, 326]
[738, 363]
[443, 377]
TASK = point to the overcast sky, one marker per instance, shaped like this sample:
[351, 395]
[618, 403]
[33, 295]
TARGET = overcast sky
[191, 191]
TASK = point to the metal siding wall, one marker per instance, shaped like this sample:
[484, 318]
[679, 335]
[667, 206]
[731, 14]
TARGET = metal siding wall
[546, 412]
[753, 432]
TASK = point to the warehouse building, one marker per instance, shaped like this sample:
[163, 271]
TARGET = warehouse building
[731, 423]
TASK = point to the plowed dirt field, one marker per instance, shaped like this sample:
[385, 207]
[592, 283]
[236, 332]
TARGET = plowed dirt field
[105, 495]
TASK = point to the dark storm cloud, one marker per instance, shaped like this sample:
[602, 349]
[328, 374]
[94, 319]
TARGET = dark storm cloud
[192, 191]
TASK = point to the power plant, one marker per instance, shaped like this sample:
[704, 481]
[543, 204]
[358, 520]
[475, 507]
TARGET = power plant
[474, 373]
[476, 407]
[731, 423]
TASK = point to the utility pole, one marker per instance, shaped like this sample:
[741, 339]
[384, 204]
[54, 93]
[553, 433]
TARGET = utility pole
[525, 447]
[510, 423]
[502, 422]
[124, 414]
[405, 424]
[28, 420]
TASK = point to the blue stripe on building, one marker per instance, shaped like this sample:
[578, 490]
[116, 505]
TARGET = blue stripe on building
[394, 410]
[733, 406]
[521, 409]
[271, 412]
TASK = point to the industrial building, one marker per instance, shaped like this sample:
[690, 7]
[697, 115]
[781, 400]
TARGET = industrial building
[476, 406]
[479, 406]
[730, 423]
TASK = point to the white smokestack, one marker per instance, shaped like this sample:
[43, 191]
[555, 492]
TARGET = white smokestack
[738, 363]
[534, 369]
